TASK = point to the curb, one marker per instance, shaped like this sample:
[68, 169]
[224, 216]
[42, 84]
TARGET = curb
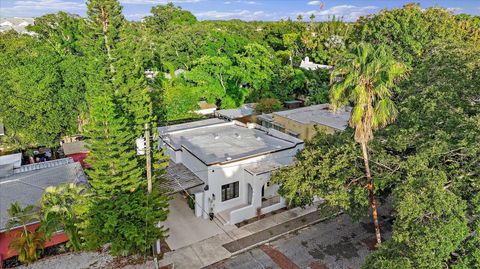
[283, 234]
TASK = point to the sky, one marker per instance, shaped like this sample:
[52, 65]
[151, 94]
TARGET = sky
[264, 10]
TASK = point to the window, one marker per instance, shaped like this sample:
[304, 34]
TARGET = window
[229, 191]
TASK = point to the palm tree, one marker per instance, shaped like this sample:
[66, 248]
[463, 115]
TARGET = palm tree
[365, 78]
[62, 208]
[26, 243]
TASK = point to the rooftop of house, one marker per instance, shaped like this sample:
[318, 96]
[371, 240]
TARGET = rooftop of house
[74, 147]
[227, 141]
[27, 187]
[236, 113]
[318, 114]
[263, 167]
[17, 24]
[306, 64]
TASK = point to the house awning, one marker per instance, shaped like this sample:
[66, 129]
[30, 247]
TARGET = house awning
[179, 178]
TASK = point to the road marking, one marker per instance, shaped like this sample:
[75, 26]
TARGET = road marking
[279, 258]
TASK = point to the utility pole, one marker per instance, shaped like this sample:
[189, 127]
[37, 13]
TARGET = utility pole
[149, 180]
[149, 158]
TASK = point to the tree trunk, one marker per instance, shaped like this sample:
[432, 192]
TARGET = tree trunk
[371, 196]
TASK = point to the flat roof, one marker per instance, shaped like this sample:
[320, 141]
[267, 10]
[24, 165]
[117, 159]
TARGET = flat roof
[263, 167]
[320, 114]
[227, 142]
[189, 125]
[27, 187]
[236, 113]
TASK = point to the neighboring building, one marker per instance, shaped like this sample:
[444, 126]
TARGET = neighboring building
[176, 73]
[76, 150]
[304, 122]
[227, 166]
[206, 108]
[17, 24]
[25, 184]
[292, 104]
[306, 64]
[243, 114]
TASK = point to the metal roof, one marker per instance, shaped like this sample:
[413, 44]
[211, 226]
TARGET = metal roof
[179, 178]
[236, 113]
[27, 187]
[318, 114]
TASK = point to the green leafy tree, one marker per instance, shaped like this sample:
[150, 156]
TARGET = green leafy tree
[64, 207]
[268, 105]
[26, 243]
[411, 31]
[128, 221]
[42, 95]
[255, 67]
[164, 16]
[368, 77]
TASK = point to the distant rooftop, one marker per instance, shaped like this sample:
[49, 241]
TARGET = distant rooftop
[236, 113]
[306, 64]
[17, 24]
[320, 114]
[27, 187]
[227, 141]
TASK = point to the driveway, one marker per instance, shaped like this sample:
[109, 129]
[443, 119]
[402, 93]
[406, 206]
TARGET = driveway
[186, 229]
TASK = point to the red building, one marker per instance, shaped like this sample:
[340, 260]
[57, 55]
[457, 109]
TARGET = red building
[77, 151]
[26, 184]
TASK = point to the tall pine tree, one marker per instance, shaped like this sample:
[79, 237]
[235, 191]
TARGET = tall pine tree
[120, 103]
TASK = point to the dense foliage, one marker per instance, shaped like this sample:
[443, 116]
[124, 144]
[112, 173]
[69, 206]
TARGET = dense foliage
[87, 75]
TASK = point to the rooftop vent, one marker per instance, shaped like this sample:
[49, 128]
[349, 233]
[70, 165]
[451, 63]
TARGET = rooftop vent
[258, 138]
[229, 158]
[237, 135]
[216, 136]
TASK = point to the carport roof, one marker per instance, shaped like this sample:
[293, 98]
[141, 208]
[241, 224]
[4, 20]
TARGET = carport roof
[177, 173]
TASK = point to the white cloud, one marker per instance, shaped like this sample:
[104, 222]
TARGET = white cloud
[227, 2]
[314, 3]
[242, 14]
[156, 2]
[30, 8]
[455, 10]
[345, 12]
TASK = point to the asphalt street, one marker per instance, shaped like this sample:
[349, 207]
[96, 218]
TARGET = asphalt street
[339, 243]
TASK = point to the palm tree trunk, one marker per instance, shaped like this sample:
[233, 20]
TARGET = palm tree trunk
[371, 196]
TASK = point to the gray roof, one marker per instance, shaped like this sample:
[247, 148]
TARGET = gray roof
[263, 167]
[227, 142]
[75, 147]
[17, 24]
[27, 187]
[319, 114]
[177, 173]
[236, 113]
[189, 125]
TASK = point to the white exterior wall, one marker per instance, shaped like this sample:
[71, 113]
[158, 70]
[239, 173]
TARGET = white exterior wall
[195, 165]
[219, 175]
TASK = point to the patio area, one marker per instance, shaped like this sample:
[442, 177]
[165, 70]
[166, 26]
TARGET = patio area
[185, 228]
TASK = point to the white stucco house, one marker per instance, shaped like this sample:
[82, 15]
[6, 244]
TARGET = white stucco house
[231, 163]
[306, 64]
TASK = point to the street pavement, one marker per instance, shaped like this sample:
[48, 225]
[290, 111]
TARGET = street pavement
[338, 243]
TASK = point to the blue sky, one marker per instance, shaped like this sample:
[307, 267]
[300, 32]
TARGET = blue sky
[268, 10]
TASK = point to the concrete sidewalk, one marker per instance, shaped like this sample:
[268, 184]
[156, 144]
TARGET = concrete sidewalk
[211, 250]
